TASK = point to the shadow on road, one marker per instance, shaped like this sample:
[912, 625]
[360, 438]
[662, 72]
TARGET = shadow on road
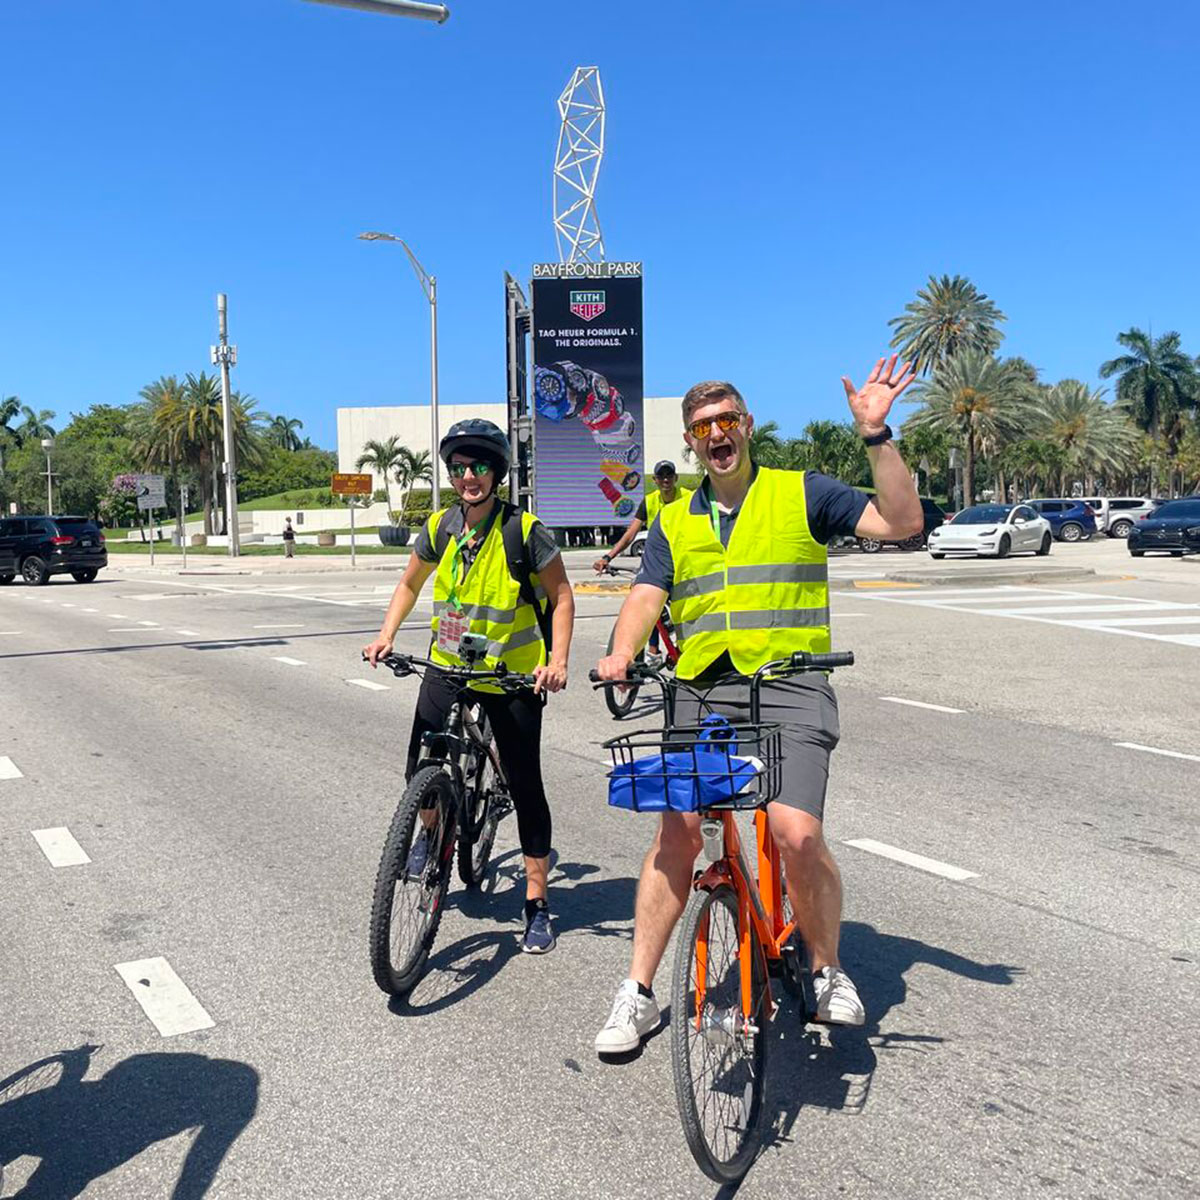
[81, 1130]
[834, 1071]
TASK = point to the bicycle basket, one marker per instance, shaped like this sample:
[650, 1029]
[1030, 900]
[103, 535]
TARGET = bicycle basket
[717, 764]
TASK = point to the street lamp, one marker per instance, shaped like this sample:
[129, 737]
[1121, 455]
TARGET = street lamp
[429, 287]
[396, 8]
[48, 445]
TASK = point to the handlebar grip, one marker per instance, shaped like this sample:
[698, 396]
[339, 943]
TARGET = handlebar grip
[828, 662]
[593, 676]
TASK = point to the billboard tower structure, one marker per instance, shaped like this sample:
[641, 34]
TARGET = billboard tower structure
[577, 168]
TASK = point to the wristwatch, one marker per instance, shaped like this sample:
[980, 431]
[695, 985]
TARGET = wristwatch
[877, 439]
[606, 557]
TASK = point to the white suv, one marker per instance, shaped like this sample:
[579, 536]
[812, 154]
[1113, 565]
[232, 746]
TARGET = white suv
[1115, 515]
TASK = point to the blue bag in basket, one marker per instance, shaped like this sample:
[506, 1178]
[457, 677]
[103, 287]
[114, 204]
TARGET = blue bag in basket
[685, 780]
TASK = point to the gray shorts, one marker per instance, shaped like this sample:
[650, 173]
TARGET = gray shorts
[807, 710]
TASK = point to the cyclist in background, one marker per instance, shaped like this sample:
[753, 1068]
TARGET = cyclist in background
[744, 566]
[475, 590]
[667, 492]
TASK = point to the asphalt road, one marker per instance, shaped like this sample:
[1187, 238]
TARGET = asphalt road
[1031, 1028]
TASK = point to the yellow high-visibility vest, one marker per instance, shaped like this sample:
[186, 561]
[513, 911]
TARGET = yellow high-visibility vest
[654, 502]
[764, 597]
[491, 598]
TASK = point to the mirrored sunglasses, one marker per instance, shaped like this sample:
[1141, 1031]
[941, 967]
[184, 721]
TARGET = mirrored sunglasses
[723, 421]
[459, 469]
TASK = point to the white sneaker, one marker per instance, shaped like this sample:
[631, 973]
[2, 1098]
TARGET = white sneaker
[633, 1016]
[837, 998]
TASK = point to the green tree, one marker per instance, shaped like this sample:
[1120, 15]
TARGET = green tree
[282, 432]
[410, 469]
[36, 424]
[1156, 383]
[285, 471]
[1093, 438]
[10, 439]
[978, 400]
[766, 444]
[835, 448]
[382, 458]
[949, 316]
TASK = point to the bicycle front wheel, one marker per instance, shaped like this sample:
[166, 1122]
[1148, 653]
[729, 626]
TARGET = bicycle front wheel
[414, 873]
[718, 1055]
[621, 702]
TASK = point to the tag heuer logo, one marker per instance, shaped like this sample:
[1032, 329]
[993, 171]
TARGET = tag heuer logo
[587, 305]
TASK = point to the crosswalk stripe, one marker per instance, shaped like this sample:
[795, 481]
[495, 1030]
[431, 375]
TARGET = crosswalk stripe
[60, 847]
[164, 997]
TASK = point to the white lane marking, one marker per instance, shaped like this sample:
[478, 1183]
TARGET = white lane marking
[1116, 622]
[278, 626]
[164, 997]
[10, 633]
[837, 616]
[370, 685]
[153, 596]
[9, 769]
[118, 617]
[60, 847]
[1156, 750]
[1063, 609]
[921, 704]
[149, 624]
[129, 629]
[66, 605]
[89, 610]
[945, 870]
[187, 632]
[291, 662]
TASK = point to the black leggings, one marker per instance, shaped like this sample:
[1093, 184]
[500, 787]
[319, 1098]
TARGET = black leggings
[516, 721]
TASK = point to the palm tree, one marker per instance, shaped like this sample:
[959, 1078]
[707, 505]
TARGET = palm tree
[382, 458]
[835, 448]
[949, 315]
[412, 468]
[766, 444]
[282, 432]
[9, 407]
[977, 399]
[36, 424]
[1092, 437]
[1156, 383]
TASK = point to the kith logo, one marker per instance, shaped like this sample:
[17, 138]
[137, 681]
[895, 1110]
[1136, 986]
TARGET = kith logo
[587, 305]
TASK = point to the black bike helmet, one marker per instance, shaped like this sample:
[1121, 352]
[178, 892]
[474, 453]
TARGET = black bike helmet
[477, 436]
[664, 467]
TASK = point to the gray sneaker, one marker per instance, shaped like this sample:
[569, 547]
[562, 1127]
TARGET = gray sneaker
[837, 998]
[633, 1016]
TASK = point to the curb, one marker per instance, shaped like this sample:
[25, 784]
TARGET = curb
[1053, 575]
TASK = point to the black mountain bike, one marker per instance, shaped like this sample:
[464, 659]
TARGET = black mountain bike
[457, 795]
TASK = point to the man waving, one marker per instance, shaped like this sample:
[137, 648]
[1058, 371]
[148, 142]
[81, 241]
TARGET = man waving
[743, 566]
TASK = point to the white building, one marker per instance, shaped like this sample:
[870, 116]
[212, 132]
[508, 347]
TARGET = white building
[410, 423]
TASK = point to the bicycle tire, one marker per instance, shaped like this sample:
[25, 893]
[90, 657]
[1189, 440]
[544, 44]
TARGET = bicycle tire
[398, 957]
[621, 703]
[723, 1137]
[481, 812]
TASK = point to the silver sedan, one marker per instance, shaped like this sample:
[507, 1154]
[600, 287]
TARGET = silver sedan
[995, 530]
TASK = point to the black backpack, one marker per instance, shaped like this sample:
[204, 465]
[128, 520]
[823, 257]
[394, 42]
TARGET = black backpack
[519, 566]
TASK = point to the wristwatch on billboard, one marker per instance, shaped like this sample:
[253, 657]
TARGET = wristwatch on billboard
[549, 393]
[877, 439]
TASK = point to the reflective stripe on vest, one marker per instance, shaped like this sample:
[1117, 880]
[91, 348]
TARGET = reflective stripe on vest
[654, 501]
[764, 597]
[490, 599]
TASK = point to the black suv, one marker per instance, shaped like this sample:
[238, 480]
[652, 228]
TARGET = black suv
[45, 546]
[934, 516]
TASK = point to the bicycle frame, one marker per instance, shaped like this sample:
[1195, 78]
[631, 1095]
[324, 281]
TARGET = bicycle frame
[760, 905]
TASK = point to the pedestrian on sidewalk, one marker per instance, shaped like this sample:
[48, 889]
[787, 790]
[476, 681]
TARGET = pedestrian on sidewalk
[289, 539]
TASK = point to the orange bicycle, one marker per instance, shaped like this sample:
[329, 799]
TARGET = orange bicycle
[737, 934]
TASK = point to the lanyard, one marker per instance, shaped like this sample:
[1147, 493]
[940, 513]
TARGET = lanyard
[716, 520]
[459, 543]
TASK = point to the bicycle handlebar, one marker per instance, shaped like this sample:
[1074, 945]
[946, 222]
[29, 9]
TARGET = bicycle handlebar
[410, 664]
[797, 664]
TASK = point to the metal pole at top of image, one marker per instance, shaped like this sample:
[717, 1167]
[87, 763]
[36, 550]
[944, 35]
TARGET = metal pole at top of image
[47, 446]
[396, 8]
[152, 537]
[225, 356]
[183, 536]
[435, 459]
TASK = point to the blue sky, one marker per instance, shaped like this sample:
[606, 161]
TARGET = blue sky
[789, 172]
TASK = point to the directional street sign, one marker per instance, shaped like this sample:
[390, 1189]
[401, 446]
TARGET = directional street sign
[151, 492]
[351, 485]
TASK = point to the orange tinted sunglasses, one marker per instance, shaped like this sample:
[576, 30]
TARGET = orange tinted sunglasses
[723, 421]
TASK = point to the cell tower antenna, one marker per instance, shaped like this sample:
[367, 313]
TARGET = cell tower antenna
[577, 167]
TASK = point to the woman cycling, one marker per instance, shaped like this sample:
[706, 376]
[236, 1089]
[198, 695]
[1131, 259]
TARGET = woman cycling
[474, 591]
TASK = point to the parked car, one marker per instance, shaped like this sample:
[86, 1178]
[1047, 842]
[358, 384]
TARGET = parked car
[1115, 515]
[934, 517]
[992, 529]
[1070, 520]
[1191, 539]
[1165, 528]
[8, 563]
[45, 546]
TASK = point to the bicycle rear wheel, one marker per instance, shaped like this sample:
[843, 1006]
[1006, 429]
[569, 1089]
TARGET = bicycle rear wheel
[412, 881]
[620, 703]
[719, 1058]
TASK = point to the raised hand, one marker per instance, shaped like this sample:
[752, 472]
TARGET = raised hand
[870, 404]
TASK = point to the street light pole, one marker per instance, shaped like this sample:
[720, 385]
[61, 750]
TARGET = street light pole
[47, 446]
[429, 287]
[226, 355]
[396, 8]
